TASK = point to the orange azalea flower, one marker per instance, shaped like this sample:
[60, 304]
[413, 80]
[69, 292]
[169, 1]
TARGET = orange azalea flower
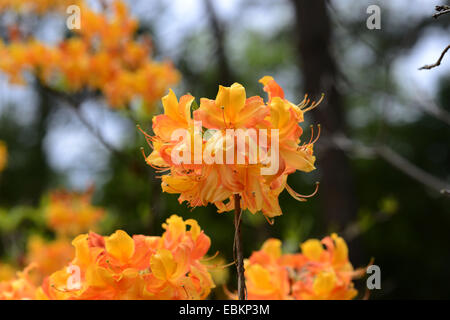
[47, 256]
[104, 55]
[38, 7]
[138, 267]
[216, 179]
[70, 213]
[266, 279]
[7, 272]
[18, 288]
[317, 273]
[3, 156]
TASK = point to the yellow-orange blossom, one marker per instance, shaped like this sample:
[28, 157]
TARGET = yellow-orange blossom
[123, 267]
[138, 267]
[317, 273]
[202, 183]
[104, 55]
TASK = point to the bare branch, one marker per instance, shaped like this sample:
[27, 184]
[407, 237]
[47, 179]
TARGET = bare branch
[441, 10]
[427, 104]
[431, 66]
[218, 31]
[238, 251]
[393, 158]
[410, 169]
[354, 230]
[74, 102]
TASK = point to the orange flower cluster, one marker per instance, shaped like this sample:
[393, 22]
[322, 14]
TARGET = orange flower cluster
[20, 287]
[138, 267]
[102, 56]
[70, 213]
[7, 272]
[200, 181]
[67, 214]
[35, 6]
[317, 273]
[47, 256]
[3, 156]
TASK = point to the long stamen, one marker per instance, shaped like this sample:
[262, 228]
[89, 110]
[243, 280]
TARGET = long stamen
[318, 133]
[62, 290]
[210, 258]
[223, 117]
[303, 103]
[300, 197]
[227, 292]
[143, 153]
[159, 169]
[143, 132]
[271, 222]
[312, 134]
[216, 266]
[314, 104]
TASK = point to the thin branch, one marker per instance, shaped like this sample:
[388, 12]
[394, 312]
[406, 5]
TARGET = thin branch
[218, 30]
[237, 248]
[394, 159]
[427, 104]
[354, 230]
[438, 62]
[410, 169]
[94, 131]
[74, 102]
[441, 10]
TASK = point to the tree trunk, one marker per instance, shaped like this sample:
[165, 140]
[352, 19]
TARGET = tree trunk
[319, 71]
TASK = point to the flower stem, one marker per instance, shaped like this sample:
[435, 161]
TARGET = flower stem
[237, 248]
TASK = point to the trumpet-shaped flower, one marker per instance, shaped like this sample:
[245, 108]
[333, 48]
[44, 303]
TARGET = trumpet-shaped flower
[321, 271]
[139, 267]
[231, 145]
[70, 213]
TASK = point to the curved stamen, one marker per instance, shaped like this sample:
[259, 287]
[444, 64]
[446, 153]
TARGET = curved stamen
[143, 153]
[210, 258]
[319, 127]
[312, 133]
[223, 266]
[303, 103]
[223, 117]
[143, 132]
[271, 222]
[227, 292]
[314, 104]
[300, 197]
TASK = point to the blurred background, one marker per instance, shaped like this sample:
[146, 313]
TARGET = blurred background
[383, 157]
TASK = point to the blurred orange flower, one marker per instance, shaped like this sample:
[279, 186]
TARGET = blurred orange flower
[19, 287]
[3, 156]
[103, 55]
[317, 273]
[38, 7]
[70, 213]
[7, 272]
[47, 256]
